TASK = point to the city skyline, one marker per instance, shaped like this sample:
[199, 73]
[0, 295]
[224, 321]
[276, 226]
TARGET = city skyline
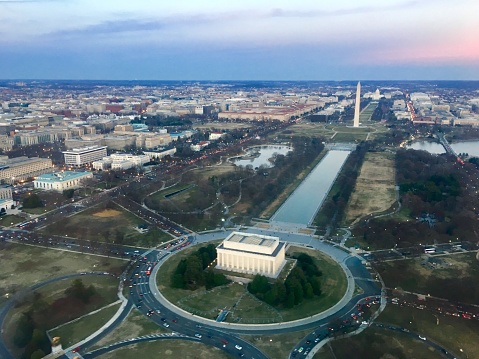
[239, 40]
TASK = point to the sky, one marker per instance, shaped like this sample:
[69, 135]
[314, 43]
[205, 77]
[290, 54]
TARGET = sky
[239, 39]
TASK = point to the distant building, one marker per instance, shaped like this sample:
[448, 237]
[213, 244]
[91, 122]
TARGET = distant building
[22, 168]
[215, 135]
[82, 156]
[199, 146]
[121, 161]
[160, 154]
[252, 254]
[60, 181]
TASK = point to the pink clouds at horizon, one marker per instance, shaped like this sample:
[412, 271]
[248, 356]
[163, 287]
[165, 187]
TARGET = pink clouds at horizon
[466, 51]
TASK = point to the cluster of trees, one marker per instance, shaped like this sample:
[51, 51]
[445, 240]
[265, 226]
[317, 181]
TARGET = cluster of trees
[435, 186]
[304, 282]
[79, 291]
[383, 111]
[193, 272]
[30, 332]
[332, 210]
[29, 337]
[32, 201]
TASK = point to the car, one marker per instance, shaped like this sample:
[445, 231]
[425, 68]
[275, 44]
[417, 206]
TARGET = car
[76, 350]
[317, 340]
[300, 350]
[308, 341]
[421, 337]
[198, 335]
[166, 325]
[238, 347]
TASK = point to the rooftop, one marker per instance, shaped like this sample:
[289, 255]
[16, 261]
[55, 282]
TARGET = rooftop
[245, 238]
[60, 176]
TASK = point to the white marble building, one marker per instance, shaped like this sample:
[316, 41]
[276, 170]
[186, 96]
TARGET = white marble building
[252, 254]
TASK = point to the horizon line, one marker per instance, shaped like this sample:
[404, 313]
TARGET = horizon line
[237, 80]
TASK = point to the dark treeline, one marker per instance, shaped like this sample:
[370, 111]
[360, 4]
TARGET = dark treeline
[438, 194]
[193, 272]
[302, 283]
[30, 332]
[332, 210]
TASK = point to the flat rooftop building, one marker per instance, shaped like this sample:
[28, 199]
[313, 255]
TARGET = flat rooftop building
[252, 254]
[81, 156]
[60, 181]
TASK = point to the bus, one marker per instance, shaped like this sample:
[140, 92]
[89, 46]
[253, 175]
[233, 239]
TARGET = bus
[148, 271]
[430, 250]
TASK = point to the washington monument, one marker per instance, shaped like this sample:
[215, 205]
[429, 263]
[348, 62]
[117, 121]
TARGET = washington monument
[357, 106]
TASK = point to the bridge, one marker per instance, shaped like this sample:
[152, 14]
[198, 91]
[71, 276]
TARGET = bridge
[447, 147]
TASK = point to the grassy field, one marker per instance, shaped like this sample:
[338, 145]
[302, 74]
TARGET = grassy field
[25, 265]
[73, 332]
[453, 333]
[135, 325]
[349, 137]
[244, 307]
[375, 187]
[451, 281]
[166, 349]
[10, 220]
[276, 346]
[107, 224]
[375, 344]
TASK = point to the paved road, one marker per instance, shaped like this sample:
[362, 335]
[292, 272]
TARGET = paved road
[184, 323]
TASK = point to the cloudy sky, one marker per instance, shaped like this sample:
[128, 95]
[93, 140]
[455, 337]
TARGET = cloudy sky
[239, 39]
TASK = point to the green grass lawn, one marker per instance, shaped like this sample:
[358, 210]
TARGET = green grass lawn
[134, 325]
[118, 228]
[349, 137]
[10, 220]
[248, 309]
[74, 332]
[452, 332]
[166, 349]
[277, 345]
[450, 282]
[24, 265]
[375, 344]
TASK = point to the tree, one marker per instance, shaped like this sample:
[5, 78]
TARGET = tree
[259, 284]
[32, 201]
[37, 354]
[68, 193]
[24, 330]
[79, 291]
[194, 272]
[290, 300]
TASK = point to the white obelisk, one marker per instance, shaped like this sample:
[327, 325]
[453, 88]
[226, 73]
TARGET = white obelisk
[357, 106]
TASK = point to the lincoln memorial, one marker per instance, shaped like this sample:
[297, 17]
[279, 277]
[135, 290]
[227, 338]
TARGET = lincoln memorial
[252, 254]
